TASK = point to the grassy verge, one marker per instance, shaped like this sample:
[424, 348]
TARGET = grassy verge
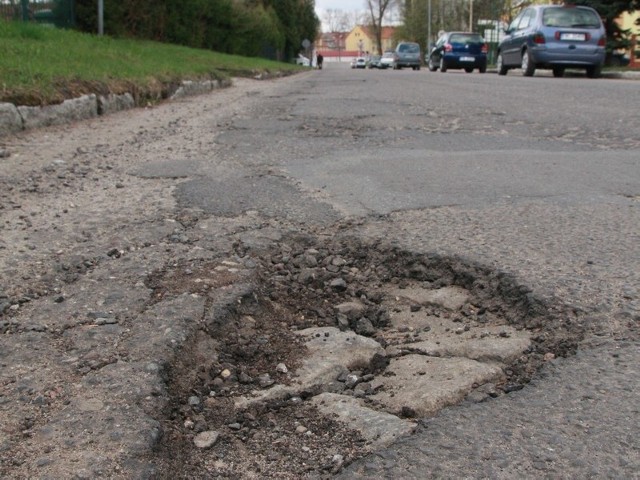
[41, 65]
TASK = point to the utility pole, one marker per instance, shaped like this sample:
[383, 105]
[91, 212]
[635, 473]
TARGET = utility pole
[100, 17]
[25, 10]
[471, 15]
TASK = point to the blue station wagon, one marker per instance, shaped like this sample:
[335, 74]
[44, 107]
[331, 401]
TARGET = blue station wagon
[553, 37]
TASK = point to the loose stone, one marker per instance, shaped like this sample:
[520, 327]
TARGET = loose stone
[206, 439]
[338, 284]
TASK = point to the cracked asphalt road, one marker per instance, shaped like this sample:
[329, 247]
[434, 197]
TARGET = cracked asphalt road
[517, 174]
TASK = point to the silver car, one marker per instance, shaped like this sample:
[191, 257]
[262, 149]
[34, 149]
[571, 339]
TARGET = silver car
[407, 54]
[387, 60]
[553, 37]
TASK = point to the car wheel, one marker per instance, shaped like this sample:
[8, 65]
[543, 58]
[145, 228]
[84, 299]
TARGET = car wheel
[468, 69]
[483, 69]
[527, 65]
[443, 65]
[418, 68]
[558, 72]
[432, 66]
[502, 69]
[594, 71]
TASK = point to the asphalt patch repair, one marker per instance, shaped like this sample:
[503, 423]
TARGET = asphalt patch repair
[336, 348]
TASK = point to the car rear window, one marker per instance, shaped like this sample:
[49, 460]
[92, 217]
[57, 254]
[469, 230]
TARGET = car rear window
[567, 17]
[408, 48]
[465, 38]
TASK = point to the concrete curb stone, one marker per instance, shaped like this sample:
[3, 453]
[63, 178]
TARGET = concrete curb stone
[80, 108]
[15, 118]
[10, 119]
[114, 103]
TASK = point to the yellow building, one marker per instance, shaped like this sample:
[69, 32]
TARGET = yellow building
[361, 39]
[627, 21]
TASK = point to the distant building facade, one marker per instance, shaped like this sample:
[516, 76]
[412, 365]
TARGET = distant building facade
[360, 41]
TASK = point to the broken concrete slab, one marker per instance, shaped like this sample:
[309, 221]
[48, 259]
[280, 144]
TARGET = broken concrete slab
[451, 298]
[421, 385]
[379, 428]
[445, 337]
[331, 353]
[493, 344]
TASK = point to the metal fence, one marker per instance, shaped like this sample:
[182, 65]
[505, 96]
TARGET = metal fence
[57, 13]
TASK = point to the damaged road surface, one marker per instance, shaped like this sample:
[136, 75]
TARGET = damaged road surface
[283, 280]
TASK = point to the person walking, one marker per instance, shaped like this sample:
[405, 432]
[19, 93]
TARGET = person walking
[319, 60]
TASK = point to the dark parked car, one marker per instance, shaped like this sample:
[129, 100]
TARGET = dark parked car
[460, 50]
[374, 61]
[620, 59]
[554, 37]
[407, 54]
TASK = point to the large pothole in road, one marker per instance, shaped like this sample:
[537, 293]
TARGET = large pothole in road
[339, 349]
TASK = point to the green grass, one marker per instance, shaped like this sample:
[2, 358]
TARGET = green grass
[41, 65]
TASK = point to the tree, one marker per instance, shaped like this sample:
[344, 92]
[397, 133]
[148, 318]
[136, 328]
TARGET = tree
[377, 10]
[268, 28]
[298, 22]
[337, 21]
[415, 24]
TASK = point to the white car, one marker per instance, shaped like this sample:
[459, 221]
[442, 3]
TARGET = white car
[302, 60]
[360, 62]
[387, 60]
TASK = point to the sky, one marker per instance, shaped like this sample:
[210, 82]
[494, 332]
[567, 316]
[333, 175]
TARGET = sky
[344, 5]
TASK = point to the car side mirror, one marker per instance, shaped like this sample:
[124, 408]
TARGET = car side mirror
[507, 31]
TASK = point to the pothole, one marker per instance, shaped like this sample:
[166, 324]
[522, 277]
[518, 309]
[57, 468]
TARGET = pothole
[339, 349]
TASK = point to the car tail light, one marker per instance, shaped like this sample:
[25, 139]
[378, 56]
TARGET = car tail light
[448, 47]
[485, 48]
[602, 42]
[538, 38]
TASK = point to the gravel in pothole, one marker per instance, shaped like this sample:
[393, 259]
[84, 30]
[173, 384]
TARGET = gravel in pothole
[338, 349]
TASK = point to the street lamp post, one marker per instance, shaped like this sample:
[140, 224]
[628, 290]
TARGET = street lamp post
[429, 26]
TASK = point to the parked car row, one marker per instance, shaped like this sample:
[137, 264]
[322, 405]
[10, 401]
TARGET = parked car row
[553, 37]
[452, 50]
